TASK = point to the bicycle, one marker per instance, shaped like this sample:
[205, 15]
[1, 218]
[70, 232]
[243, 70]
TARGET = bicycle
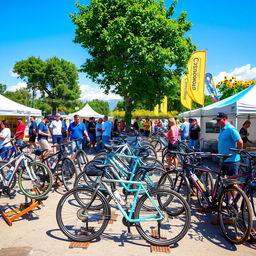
[34, 178]
[83, 212]
[225, 197]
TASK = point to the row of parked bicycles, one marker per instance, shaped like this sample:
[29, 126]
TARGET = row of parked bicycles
[154, 199]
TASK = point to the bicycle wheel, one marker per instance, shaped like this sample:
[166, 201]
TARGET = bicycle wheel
[165, 157]
[5, 171]
[41, 183]
[150, 161]
[81, 159]
[235, 214]
[79, 221]
[68, 173]
[169, 230]
[207, 180]
[157, 145]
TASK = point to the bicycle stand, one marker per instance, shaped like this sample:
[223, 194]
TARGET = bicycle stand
[24, 208]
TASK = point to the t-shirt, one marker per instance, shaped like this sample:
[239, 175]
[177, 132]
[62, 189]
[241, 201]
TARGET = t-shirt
[91, 128]
[135, 125]
[184, 130]
[42, 127]
[20, 130]
[147, 125]
[32, 126]
[176, 136]
[6, 133]
[228, 138]
[243, 131]
[194, 132]
[56, 126]
[106, 126]
[76, 130]
[98, 126]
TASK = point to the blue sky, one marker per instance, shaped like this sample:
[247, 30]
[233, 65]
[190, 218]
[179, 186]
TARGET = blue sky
[226, 29]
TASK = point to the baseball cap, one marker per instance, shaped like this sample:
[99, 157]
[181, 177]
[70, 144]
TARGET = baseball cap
[220, 115]
[57, 114]
[19, 118]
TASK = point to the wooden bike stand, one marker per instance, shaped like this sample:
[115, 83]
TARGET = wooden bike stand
[24, 208]
[57, 183]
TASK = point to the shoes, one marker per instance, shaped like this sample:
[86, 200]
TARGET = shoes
[227, 222]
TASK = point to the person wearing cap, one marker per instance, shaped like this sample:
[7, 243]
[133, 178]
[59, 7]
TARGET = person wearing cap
[244, 134]
[106, 130]
[5, 136]
[184, 129]
[76, 132]
[229, 137]
[20, 131]
[43, 135]
[56, 130]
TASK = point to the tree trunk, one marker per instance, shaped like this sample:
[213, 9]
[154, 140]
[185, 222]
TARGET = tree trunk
[128, 112]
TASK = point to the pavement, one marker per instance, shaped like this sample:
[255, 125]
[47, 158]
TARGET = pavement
[38, 234]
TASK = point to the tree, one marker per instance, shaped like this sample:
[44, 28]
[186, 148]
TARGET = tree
[137, 49]
[119, 106]
[99, 106]
[2, 88]
[56, 79]
[22, 96]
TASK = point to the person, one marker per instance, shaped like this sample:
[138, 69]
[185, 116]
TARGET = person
[194, 134]
[244, 134]
[115, 128]
[32, 132]
[229, 137]
[5, 136]
[43, 135]
[99, 134]
[172, 138]
[56, 130]
[106, 130]
[135, 125]
[77, 130]
[121, 126]
[147, 127]
[184, 129]
[20, 131]
[64, 129]
[92, 132]
[141, 126]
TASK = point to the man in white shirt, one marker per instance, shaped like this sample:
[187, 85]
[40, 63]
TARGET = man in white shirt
[106, 130]
[56, 130]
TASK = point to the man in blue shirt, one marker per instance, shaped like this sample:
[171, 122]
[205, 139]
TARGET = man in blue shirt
[77, 130]
[106, 130]
[229, 137]
[43, 135]
[184, 129]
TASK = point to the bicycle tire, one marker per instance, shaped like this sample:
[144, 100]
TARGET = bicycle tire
[72, 207]
[68, 173]
[5, 171]
[43, 183]
[153, 161]
[171, 233]
[252, 198]
[81, 159]
[207, 180]
[230, 219]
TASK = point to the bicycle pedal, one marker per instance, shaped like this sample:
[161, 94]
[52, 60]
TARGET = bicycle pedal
[129, 235]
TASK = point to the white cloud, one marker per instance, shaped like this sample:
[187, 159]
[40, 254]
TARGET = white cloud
[13, 74]
[92, 92]
[18, 86]
[241, 73]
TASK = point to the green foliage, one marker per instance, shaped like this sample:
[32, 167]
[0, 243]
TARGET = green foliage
[99, 106]
[144, 113]
[56, 79]
[120, 106]
[137, 49]
[2, 88]
[22, 96]
[226, 91]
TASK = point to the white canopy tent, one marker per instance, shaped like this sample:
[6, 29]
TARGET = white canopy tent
[86, 112]
[239, 108]
[11, 108]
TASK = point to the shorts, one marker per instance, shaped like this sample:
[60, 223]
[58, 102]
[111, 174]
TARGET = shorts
[230, 168]
[57, 139]
[75, 145]
[32, 139]
[173, 146]
[44, 144]
[92, 137]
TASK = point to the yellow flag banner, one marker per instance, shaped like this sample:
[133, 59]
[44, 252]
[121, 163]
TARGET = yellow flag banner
[186, 101]
[196, 76]
[163, 106]
[156, 109]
